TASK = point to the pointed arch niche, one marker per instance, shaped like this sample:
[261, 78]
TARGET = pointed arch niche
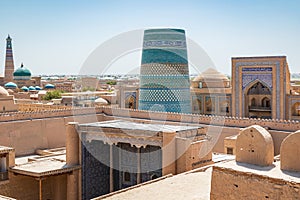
[258, 101]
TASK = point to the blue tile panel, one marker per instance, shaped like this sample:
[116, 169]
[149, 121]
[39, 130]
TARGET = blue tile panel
[96, 174]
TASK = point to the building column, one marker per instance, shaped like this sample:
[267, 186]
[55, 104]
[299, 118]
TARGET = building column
[40, 189]
[138, 178]
[111, 168]
[72, 158]
[72, 144]
[169, 153]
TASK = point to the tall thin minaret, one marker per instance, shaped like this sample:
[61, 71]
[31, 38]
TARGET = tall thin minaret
[9, 61]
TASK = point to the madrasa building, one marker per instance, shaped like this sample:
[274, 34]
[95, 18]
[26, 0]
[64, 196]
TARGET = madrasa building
[260, 87]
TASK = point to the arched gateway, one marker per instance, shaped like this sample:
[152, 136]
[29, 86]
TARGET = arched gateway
[258, 100]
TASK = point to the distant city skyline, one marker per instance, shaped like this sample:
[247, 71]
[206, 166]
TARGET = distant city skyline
[56, 37]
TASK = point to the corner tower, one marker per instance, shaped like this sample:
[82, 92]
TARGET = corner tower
[9, 61]
[164, 75]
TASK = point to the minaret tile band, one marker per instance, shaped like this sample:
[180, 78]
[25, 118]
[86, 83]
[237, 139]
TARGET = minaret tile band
[164, 77]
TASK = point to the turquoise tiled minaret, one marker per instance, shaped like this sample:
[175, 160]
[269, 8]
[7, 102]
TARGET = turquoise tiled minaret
[164, 76]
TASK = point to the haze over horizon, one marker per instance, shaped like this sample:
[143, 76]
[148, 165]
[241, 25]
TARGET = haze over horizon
[56, 37]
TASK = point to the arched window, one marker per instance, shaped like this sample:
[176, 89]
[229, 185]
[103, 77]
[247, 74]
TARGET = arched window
[200, 84]
[259, 89]
[296, 109]
[210, 104]
[224, 107]
[197, 105]
[265, 102]
[130, 102]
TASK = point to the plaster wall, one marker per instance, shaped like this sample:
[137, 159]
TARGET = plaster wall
[242, 185]
[27, 188]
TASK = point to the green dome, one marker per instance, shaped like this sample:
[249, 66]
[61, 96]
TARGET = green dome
[22, 72]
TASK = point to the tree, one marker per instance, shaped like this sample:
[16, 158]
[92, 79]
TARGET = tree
[88, 89]
[111, 82]
[56, 94]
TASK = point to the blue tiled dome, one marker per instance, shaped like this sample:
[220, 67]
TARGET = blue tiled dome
[31, 88]
[10, 85]
[24, 88]
[49, 86]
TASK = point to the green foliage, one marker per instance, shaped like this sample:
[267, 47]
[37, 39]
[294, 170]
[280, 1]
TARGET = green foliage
[88, 89]
[55, 94]
[111, 82]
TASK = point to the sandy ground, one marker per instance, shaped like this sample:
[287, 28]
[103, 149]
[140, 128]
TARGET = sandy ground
[183, 186]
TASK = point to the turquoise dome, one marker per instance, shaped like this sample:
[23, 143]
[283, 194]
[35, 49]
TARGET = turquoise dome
[24, 88]
[31, 88]
[10, 85]
[38, 88]
[22, 73]
[49, 86]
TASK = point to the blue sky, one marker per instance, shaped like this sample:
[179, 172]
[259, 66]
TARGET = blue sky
[56, 36]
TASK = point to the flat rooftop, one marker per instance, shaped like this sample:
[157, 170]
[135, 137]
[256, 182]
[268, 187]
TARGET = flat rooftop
[129, 125]
[257, 57]
[6, 198]
[192, 185]
[269, 171]
[42, 165]
[4, 149]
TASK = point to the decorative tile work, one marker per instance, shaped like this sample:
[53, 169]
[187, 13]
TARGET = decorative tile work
[163, 55]
[128, 163]
[162, 95]
[164, 82]
[164, 77]
[247, 79]
[151, 162]
[164, 69]
[284, 88]
[130, 94]
[95, 174]
[257, 69]
[237, 83]
[164, 43]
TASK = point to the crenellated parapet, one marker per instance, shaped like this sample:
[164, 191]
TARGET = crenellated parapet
[276, 124]
[39, 114]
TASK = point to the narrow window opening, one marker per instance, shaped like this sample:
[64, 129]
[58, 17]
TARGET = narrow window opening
[127, 177]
